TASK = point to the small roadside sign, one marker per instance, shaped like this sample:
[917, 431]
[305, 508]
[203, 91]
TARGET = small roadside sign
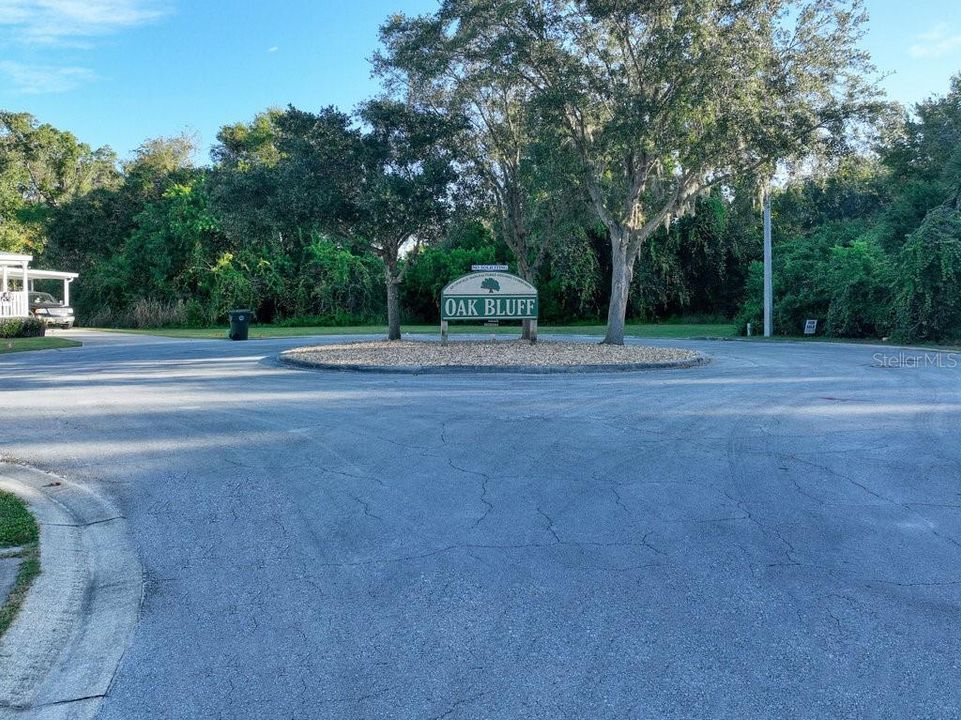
[810, 327]
[488, 268]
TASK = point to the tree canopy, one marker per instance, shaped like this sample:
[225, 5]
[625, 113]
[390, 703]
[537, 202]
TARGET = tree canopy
[658, 101]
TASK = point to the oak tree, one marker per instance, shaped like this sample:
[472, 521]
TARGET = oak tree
[662, 100]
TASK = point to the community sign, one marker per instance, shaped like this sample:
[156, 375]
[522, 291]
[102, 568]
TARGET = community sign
[489, 296]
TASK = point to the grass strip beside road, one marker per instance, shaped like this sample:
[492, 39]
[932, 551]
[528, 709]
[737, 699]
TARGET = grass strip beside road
[17, 526]
[258, 332]
[12, 345]
[933, 346]
[18, 529]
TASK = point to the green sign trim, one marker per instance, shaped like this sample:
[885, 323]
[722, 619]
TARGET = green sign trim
[489, 307]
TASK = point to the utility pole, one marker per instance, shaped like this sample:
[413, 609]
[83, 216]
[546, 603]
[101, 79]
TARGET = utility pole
[768, 273]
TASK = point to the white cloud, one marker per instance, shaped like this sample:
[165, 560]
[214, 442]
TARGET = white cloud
[55, 22]
[273, 49]
[937, 42]
[42, 79]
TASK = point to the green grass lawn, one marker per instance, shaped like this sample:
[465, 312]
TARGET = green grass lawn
[17, 526]
[8, 345]
[943, 347]
[18, 529]
[664, 330]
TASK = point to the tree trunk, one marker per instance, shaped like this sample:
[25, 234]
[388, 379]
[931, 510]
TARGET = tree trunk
[525, 272]
[525, 329]
[622, 272]
[393, 302]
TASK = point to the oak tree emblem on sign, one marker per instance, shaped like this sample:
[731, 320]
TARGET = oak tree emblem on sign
[491, 285]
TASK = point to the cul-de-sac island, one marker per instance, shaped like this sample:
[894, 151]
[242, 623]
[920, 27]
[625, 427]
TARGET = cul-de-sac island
[480, 359]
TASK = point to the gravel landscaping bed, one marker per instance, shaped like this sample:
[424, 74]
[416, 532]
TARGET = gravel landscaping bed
[504, 355]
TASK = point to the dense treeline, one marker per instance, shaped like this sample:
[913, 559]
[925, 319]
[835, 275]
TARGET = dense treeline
[339, 219]
[162, 242]
[873, 248]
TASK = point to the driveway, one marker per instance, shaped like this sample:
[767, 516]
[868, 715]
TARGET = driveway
[777, 534]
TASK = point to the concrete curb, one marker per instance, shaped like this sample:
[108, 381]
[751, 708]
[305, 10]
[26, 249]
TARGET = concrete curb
[58, 659]
[284, 359]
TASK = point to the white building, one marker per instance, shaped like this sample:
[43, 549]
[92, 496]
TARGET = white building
[16, 281]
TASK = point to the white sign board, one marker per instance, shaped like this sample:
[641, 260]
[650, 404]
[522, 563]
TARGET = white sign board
[810, 327]
[489, 296]
[485, 296]
[488, 268]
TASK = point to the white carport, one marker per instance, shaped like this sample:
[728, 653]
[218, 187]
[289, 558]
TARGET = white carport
[15, 270]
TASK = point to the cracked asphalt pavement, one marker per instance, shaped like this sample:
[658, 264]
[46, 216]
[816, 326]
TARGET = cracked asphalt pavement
[776, 534]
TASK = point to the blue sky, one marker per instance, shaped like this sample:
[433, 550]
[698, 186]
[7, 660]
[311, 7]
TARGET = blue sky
[116, 72]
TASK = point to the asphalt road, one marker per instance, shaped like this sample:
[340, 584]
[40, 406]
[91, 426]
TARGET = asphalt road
[774, 535]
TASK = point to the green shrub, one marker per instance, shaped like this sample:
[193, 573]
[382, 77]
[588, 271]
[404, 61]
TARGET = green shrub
[860, 277]
[431, 270]
[332, 281]
[21, 327]
[929, 299]
[752, 309]
[197, 314]
[837, 274]
[233, 285]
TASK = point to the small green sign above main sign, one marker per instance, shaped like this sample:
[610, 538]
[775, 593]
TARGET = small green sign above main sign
[489, 296]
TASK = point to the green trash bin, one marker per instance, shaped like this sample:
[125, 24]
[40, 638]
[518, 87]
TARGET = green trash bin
[239, 324]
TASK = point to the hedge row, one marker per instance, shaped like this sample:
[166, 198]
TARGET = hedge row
[21, 327]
